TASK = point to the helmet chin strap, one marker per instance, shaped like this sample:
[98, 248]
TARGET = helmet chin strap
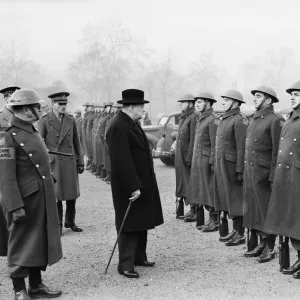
[204, 107]
[34, 113]
[230, 107]
[259, 107]
[296, 107]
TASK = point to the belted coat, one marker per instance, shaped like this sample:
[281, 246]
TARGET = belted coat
[184, 151]
[229, 161]
[284, 207]
[63, 137]
[5, 116]
[260, 161]
[201, 189]
[132, 169]
[28, 183]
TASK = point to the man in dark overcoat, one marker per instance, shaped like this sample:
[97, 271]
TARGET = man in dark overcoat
[5, 116]
[184, 154]
[132, 178]
[284, 207]
[201, 191]
[229, 165]
[29, 203]
[262, 143]
[59, 131]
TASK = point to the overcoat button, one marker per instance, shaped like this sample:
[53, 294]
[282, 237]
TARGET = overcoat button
[30, 155]
[295, 140]
[279, 165]
[43, 177]
[22, 144]
[37, 166]
[14, 133]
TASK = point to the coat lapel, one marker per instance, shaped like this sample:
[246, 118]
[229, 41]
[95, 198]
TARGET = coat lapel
[65, 126]
[53, 121]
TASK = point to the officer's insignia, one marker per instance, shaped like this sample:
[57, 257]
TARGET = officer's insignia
[7, 153]
[64, 97]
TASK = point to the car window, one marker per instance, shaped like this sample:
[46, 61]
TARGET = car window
[163, 120]
[172, 121]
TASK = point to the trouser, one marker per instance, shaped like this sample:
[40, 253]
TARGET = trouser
[19, 273]
[70, 212]
[269, 238]
[238, 225]
[213, 215]
[132, 248]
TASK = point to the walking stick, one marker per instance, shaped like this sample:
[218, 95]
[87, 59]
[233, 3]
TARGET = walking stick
[119, 233]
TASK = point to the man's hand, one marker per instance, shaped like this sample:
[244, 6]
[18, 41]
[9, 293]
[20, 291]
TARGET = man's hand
[80, 169]
[135, 195]
[18, 215]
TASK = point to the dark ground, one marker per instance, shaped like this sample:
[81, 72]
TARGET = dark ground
[189, 264]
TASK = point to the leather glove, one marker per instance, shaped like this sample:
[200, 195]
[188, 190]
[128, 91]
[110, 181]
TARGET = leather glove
[240, 176]
[212, 168]
[19, 215]
[80, 169]
[135, 195]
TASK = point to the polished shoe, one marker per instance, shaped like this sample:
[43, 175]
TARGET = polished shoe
[200, 227]
[267, 255]
[292, 269]
[145, 263]
[227, 237]
[257, 251]
[185, 216]
[236, 240]
[296, 275]
[42, 291]
[130, 274]
[210, 227]
[73, 227]
[191, 218]
[22, 295]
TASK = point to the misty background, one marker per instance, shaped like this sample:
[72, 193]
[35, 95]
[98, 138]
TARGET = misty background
[94, 49]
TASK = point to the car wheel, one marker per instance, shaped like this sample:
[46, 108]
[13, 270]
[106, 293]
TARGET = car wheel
[169, 161]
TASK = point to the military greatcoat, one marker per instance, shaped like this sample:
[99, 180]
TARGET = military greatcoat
[63, 137]
[284, 207]
[89, 134]
[5, 116]
[184, 151]
[84, 132]
[201, 180]
[78, 122]
[132, 169]
[28, 183]
[260, 161]
[229, 161]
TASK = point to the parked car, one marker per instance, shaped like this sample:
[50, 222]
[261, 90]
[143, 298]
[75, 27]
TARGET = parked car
[166, 145]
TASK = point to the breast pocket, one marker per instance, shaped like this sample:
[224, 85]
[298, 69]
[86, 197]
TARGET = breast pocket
[230, 156]
[29, 188]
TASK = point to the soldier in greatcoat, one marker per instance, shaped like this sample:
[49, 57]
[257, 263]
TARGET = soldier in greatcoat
[133, 178]
[260, 161]
[284, 207]
[87, 112]
[184, 154]
[201, 191]
[59, 131]
[229, 165]
[78, 121]
[5, 116]
[29, 202]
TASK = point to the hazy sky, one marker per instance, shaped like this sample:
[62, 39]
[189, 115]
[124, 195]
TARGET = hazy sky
[235, 30]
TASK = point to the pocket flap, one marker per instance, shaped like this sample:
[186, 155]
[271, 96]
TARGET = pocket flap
[29, 188]
[264, 162]
[205, 151]
[230, 156]
[297, 163]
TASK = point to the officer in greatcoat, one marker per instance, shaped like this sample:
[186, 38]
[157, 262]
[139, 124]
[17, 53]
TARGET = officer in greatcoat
[59, 131]
[262, 143]
[229, 165]
[29, 200]
[5, 116]
[284, 207]
[184, 154]
[132, 178]
[201, 191]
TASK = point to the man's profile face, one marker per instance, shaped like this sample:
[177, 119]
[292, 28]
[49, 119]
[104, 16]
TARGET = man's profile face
[295, 99]
[184, 105]
[60, 107]
[138, 111]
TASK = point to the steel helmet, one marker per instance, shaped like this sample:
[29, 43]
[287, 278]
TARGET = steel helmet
[266, 90]
[206, 96]
[295, 87]
[25, 97]
[118, 105]
[186, 97]
[77, 111]
[86, 104]
[234, 95]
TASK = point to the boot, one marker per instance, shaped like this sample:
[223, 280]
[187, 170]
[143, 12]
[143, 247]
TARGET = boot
[258, 250]
[267, 255]
[200, 220]
[236, 240]
[107, 178]
[179, 208]
[192, 216]
[98, 171]
[103, 175]
[213, 225]
[94, 169]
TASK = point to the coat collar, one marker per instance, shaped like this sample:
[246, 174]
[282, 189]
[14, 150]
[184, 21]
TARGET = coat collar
[189, 111]
[65, 126]
[53, 121]
[135, 125]
[263, 112]
[232, 112]
[205, 114]
[294, 114]
[27, 126]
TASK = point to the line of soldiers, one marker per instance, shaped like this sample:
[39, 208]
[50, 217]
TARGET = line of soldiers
[244, 169]
[95, 123]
